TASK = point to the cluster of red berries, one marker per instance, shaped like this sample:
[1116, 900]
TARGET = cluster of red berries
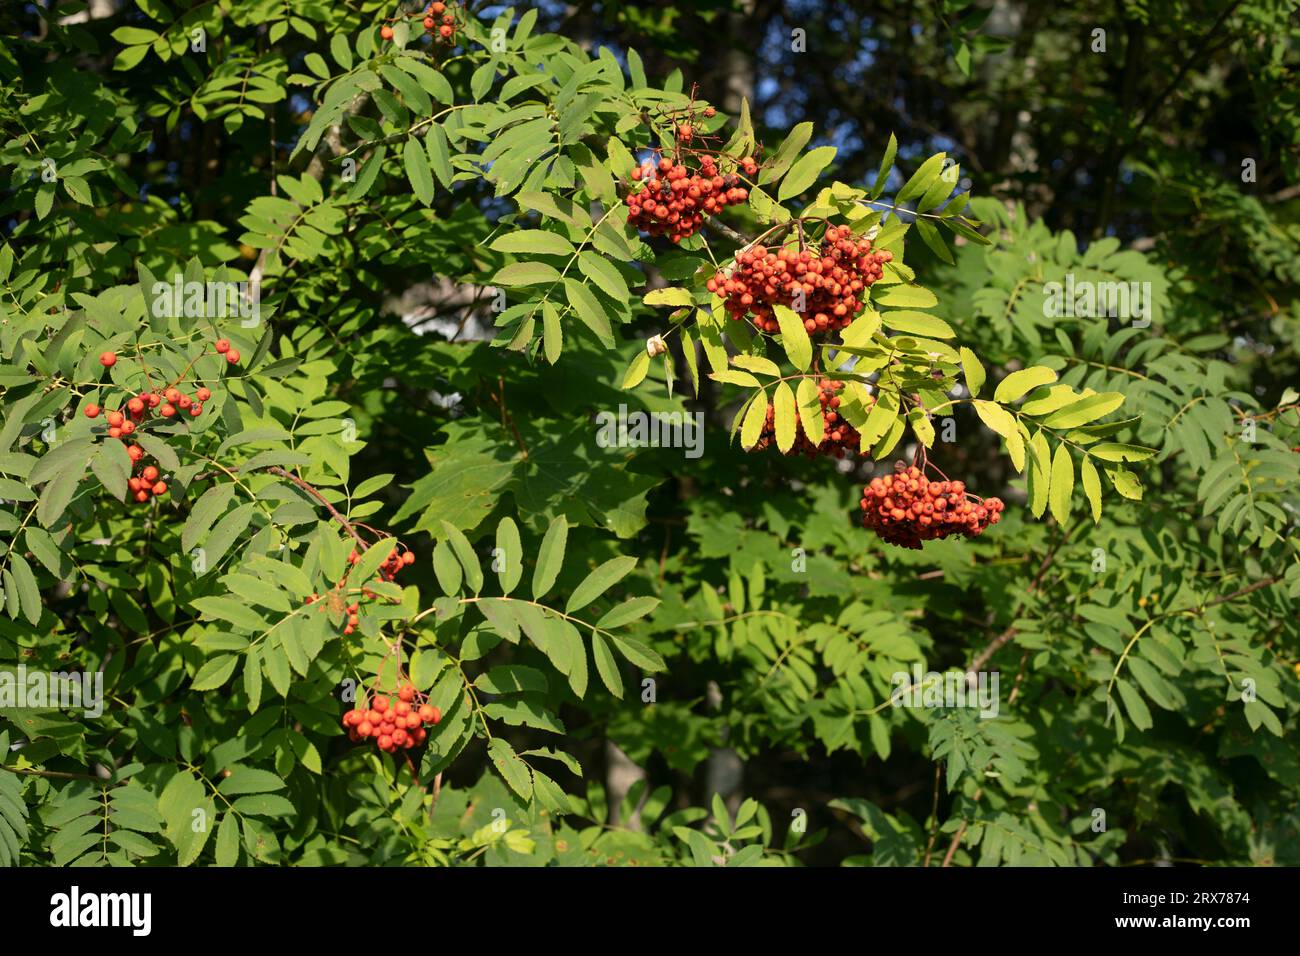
[825, 290]
[674, 199]
[395, 561]
[906, 508]
[838, 437]
[437, 22]
[392, 724]
[171, 402]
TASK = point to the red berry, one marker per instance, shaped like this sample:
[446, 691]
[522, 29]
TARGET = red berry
[160, 488]
[232, 356]
[436, 716]
[437, 9]
[426, 713]
[92, 411]
[135, 452]
[203, 394]
[127, 428]
[172, 395]
[223, 345]
[150, 473]
[108, 359]
[167, 411]
[428, 23]
[114, 418]
[387, 33]
[445, 30]
[142, 496]
[407, 694]
[196, 410]
[381, 704]
[135, 406]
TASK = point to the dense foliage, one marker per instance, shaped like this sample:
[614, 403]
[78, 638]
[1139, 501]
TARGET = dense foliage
[449, 441]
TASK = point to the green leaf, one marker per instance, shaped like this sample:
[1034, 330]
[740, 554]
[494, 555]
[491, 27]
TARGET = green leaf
[637, 370]
[638, 653]
[630, 610]
[536, 241]
[512, 768]
[215, 672]
[608, 278]
[755, 416]
[250, 780]
[418, 171]
[805, 172]
[29, 594]
[794, 337]
[1062, 484]
[526, 273]
[606, 665]
[808, 401]
[550, 557]
[886, 164]
[227, 846]
[599, 581]
[784, 416]
[1021, 383]
[917, 323]
[447, 569]
[973, 371]
[465, 553]
[510, 555]
[1091, 486]
[1084, 411]
[922, 179]
[1116, 451]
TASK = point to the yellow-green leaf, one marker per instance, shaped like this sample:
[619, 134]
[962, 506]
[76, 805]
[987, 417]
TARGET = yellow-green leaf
[754, 419]
[784, 416]
[1091, 486]
[637, 369]
[973, 369]
[794, 337]
[1021, 383]
[1058, 497]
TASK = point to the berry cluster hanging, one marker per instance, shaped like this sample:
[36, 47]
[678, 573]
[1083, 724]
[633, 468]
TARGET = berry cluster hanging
[907, 508]
[824, 289]
[168, 402]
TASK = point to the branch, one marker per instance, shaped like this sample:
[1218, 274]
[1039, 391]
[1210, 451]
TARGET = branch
[277, 470]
